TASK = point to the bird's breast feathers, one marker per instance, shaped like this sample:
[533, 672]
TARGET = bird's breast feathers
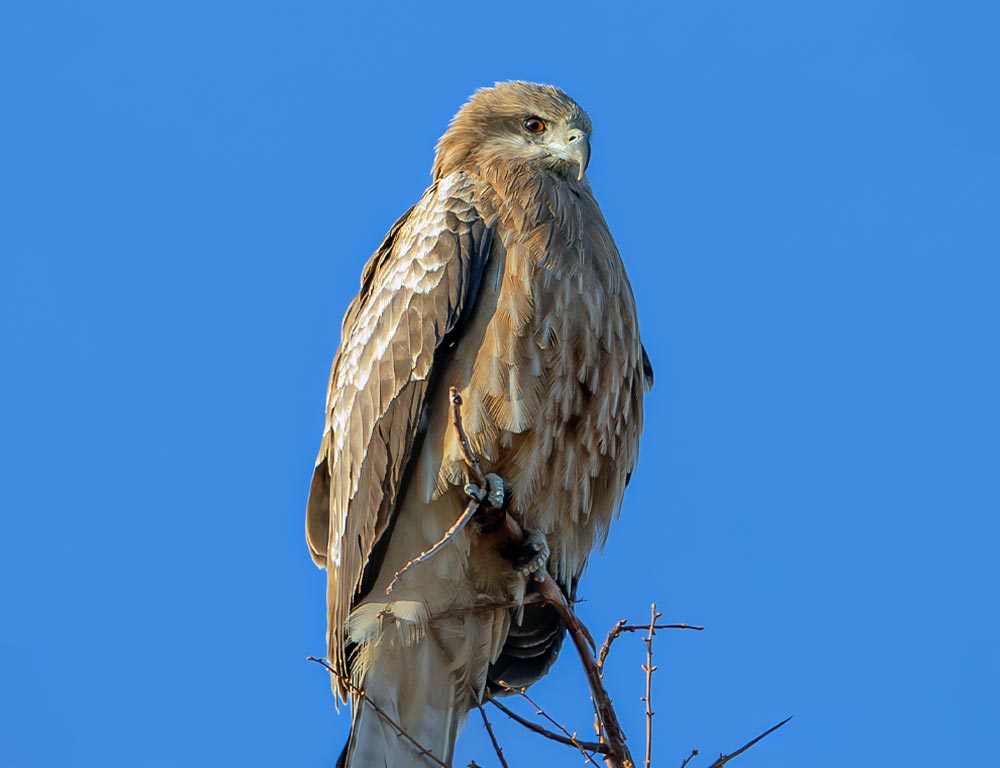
[550, 368]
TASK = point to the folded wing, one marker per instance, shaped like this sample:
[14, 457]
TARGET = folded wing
[415, 292]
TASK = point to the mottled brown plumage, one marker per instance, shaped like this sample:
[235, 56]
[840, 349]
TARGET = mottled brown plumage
[504, 281]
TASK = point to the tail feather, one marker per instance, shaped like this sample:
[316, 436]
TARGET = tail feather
[423, 687]
[530, 648]
[375, 741]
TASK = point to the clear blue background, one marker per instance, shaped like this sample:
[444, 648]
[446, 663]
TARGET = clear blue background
[806, 196]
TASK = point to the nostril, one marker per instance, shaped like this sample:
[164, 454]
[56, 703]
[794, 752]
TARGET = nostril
[573, 137]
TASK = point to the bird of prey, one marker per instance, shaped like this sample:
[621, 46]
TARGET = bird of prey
[504, 282]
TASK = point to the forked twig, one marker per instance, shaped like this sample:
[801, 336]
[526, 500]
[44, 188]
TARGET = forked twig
[624, 626]
[422, 751]
[590, 746]
[723, 759]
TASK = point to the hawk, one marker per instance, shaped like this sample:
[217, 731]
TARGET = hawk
[504, 282]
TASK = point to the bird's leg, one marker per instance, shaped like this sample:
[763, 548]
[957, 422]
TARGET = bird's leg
[528, 556]
[492, 500]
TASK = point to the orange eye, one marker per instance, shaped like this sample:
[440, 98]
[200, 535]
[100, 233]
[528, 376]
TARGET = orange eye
[534, 125]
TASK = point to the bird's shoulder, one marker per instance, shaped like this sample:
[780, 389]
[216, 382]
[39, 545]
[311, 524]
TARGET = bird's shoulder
[421, 239]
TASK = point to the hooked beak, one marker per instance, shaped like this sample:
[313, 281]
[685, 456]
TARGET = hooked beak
[575, 148]
[578, 148]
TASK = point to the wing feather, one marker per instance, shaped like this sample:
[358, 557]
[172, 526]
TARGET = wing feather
[415, 291]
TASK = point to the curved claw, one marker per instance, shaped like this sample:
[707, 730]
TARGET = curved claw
[493, 495]
[475, 493]
[497, 492]
[491, 500]
[535, 555]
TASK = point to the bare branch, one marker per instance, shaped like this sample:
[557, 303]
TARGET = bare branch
[619, 755]
[523, 693]
[590, 746]
[642, 627]
[611, 742]
[723, 759]
[529, 599]
[451, 533]
[471, 508]
[489, 728]
[623, 626]
[463, 438]
[421, 750]
[648, 668]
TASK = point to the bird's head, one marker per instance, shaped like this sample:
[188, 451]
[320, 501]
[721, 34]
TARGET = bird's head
[517, 124]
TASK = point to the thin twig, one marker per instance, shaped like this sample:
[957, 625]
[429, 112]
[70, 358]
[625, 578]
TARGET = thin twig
[648, 668]
[622, 626]
[616, 630]
[694, 753]
[463, 438]
[421, 749]
[529, 599]
[471, 508]
[590, 746]
[618, 755]
[489, 728]
[523, 693]
[723, 759]
[643, 627]
[451, 533]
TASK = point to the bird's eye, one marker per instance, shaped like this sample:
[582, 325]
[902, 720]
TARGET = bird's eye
[534, 125]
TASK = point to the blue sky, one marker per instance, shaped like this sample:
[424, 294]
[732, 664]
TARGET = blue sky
[806, 198]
